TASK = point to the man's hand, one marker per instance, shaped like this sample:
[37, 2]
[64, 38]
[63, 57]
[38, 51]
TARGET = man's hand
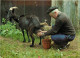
[41, 33]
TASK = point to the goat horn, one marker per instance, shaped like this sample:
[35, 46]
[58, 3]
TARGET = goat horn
[13, 8]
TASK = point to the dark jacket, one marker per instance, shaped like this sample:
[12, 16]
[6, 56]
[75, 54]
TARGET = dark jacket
[63, 25]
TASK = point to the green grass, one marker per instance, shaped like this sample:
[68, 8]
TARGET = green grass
[15, 49]
[11, 46]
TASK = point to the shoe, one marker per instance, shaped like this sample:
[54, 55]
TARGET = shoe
[64, 46]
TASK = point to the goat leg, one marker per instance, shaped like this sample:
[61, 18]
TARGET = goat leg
[32, 40]
[28, 36]
[23, 36]
[40, 41]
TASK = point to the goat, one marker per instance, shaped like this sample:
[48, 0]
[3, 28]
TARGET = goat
[28, 22]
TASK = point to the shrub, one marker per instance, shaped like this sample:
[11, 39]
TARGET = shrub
[9, 30]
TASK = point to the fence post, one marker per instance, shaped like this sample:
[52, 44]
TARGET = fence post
[79, 12]
[76, 13]
[60, 6]
[0, 12]
[53, 3]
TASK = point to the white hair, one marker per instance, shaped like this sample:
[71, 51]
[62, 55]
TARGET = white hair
[56, 10]
[11, 8]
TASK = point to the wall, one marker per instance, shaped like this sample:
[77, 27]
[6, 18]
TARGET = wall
[71, 8]
[0, 12]
[39, 8]
[36, 7]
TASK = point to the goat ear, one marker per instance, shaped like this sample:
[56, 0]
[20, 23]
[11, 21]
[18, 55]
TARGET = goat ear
[13, 11]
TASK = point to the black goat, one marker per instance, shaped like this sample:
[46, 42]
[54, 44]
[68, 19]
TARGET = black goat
[30, 23]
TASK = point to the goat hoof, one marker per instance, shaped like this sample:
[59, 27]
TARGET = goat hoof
[29, 41]
[24, 41]
[39, 43]
[31, 45]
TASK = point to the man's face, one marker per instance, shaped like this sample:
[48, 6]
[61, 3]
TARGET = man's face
[53, 15]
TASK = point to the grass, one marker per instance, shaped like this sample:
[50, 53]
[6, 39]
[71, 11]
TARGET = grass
[15, 49]
[11, 46]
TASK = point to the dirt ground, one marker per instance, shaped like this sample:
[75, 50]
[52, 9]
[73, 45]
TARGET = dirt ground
[74, 45]
[73, 49]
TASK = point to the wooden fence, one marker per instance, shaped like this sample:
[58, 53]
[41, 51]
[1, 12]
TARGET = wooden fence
[0, 12]
[36, 7]
[71, 8]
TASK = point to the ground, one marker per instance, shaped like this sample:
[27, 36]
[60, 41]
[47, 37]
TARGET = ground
[10, 48]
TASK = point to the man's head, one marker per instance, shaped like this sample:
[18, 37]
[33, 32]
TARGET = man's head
[53, 11]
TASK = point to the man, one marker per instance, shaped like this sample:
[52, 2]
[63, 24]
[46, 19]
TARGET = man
[63, 31]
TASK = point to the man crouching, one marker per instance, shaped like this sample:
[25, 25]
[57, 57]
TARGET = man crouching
[63, 31]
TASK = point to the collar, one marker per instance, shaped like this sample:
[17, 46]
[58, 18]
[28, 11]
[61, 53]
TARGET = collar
[58, 15]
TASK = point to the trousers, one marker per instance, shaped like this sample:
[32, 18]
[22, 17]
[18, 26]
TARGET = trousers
[61, 39]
